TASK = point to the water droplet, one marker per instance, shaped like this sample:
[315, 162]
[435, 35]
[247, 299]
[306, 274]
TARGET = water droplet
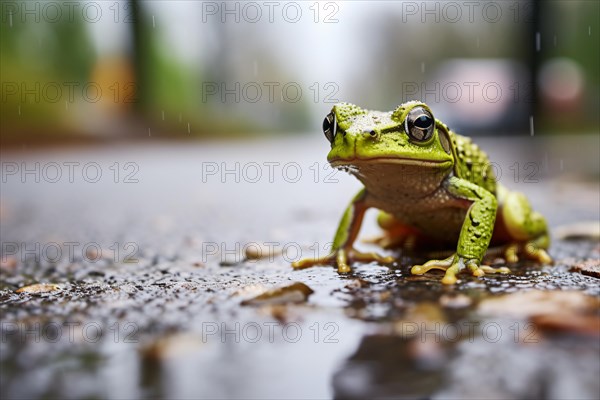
[538, 41]
[153, 22]
[531, 130]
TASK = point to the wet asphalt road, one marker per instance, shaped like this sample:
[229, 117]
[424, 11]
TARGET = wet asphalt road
[146, 245]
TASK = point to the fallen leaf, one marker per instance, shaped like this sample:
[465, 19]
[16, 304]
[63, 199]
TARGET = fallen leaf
[538, 302]
[567, 311]
[587, 267]
[39, 288]
[297, 292]
[582, 324]
[258, 251]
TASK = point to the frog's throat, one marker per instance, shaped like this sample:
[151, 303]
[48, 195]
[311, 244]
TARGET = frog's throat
[357, 161]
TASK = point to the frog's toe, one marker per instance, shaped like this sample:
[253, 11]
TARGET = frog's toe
[369, 257]
[529, 250]
[418, 270]
[480, 270]
[475, 268]
[342, 262]
[511, 253]
[432, 264]
[449, 279]
[345, 257]
[535, 253]
[450, 276]
[311, 262]
[489, 270]
[544, 257]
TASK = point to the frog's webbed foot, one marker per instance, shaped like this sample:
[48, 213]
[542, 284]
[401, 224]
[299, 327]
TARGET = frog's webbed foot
[530, 250]
[455, 264]
[342, 258]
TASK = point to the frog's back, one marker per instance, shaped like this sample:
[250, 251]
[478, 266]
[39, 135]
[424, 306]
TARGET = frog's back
[472, 163]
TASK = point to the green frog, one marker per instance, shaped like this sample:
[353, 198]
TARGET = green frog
[433, 187]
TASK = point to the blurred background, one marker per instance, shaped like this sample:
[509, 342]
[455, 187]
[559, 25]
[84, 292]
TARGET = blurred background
[94, 71]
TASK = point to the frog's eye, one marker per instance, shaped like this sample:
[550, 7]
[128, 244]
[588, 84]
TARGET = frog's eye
[419, 124]
[330, 127]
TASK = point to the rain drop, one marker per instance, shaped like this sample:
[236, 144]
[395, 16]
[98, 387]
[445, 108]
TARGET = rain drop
[531, 130]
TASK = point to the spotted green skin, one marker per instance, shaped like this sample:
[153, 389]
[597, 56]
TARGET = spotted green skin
[444, 190]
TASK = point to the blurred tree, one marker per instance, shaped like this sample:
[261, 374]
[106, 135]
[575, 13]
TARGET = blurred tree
[39, 58]
[141, 54]
[569, 88]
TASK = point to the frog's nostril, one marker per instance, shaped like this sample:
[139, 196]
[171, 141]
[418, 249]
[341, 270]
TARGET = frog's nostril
[372, 134]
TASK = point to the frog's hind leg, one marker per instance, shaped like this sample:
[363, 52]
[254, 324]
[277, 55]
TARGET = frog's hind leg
[527, 229]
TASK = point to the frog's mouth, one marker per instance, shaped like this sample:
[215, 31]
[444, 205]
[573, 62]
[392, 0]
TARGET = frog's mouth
[361, 161]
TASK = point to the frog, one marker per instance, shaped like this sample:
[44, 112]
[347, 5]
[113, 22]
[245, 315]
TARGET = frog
[432, 187]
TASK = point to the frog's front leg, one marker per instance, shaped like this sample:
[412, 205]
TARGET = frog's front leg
[475, 234]
[342, 253]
